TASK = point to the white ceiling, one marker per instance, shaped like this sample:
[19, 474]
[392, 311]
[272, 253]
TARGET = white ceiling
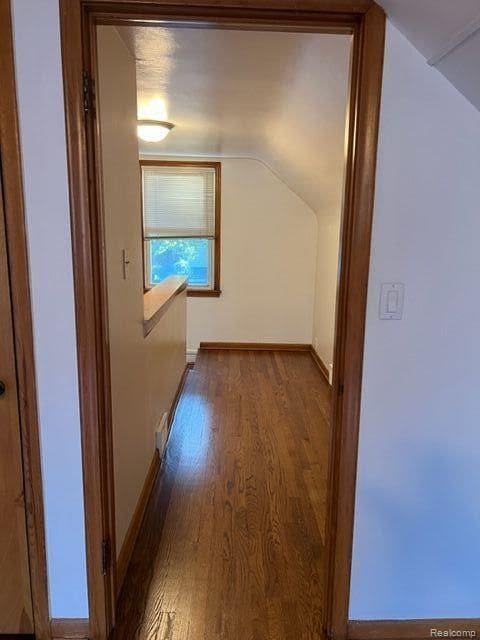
[276, 97]
[447, 33]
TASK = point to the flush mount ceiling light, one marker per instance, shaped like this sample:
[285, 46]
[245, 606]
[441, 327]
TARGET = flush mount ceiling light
[153, 130]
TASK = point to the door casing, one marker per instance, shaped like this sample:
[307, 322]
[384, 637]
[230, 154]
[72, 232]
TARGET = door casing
[366, 22]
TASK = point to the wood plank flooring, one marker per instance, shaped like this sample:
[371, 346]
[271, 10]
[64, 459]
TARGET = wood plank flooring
[232, 545]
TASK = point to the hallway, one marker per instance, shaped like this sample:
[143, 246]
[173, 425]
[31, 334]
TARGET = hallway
[232, 545]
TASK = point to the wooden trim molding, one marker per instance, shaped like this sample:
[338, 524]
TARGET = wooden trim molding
[323, 6]
[413, 629]
[158, 300]
[91, 320]
[178, 393]
[363, 125]
[366, 22]
[128, 545]
[254, 346]
[320, 364]
[207, 293]
[11, 168]
[215, 291]
[69, 629]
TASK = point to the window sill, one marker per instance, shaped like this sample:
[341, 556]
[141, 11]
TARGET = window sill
[209, 293]
[158, 299]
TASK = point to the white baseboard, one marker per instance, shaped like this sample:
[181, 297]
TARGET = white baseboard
[191, 355]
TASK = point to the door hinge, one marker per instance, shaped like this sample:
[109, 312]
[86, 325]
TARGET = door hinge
[88, 93]
[106, 556]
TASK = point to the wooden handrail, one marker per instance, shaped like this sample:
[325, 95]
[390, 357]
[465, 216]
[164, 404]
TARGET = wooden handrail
[157, 300]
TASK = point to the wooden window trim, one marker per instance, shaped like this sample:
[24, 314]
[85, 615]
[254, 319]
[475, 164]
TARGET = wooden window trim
[215, 291]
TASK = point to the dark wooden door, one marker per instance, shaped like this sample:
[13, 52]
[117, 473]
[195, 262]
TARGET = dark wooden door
[15, 593]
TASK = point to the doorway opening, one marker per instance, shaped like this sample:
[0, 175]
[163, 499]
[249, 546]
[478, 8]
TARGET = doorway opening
[241, 202]
[201, 244]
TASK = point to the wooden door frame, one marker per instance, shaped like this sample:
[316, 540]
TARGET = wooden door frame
[366, 22]
[11, 168]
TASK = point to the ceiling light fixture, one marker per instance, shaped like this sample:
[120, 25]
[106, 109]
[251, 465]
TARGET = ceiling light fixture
[153, 130]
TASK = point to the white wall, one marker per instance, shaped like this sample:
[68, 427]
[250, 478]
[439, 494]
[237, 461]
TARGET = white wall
[326, 281]
[41, 112]
[117, 108]
[417, 523]
[165, 363]
[145, 371]
[267, 263]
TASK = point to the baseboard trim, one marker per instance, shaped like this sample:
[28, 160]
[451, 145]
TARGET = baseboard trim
[69, 628]
[320, 364]
[126, 551]
[178, 393]
[128, 545]
[412, 629]
[254, 346]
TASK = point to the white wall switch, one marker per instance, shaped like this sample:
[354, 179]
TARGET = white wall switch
[391, 300]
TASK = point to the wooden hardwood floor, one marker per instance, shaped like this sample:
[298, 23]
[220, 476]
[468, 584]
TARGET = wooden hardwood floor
[232, 545]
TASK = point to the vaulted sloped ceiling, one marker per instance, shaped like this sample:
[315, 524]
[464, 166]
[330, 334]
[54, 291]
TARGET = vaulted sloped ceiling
[447, 33]
[276, 97]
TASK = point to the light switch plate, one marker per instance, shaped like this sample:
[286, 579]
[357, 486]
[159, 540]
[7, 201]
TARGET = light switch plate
[391, 300]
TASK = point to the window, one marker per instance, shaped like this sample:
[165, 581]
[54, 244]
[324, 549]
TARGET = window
[181, 223]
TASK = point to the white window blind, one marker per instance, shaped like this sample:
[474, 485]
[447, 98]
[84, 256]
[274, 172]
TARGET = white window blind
[178, 202]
